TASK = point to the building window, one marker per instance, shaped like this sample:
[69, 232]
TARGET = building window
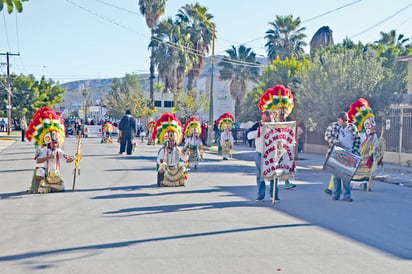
[157, 103]
[168, 104]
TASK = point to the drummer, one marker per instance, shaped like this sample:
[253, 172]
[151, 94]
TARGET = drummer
[345, 135]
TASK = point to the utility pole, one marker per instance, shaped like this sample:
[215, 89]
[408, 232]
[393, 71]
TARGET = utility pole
[9, 90]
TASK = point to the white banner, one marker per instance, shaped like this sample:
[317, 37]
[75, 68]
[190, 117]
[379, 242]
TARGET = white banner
[96, 130]
[279, 149]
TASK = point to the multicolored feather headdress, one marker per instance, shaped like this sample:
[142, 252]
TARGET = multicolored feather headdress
[275, 98]
[46, 127]
[167, 127]
[225, 121]
[107, 127]
[151, 125]
[359, 112]
[191, 126]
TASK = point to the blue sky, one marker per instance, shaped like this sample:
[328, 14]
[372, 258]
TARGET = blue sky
[67, 40]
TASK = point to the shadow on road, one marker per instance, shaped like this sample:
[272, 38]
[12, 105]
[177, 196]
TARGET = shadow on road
[92, 248]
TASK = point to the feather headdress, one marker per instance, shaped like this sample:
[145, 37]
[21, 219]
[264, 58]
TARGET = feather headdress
[192, 125]
[275, 98]
[45, 127]
[359, 112]
[107, 127]
[225, 121]
[167, 126]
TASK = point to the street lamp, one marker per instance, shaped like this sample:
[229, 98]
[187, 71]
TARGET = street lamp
[211, 121]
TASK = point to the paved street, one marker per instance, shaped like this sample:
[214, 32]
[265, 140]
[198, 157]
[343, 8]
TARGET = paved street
[118, 221]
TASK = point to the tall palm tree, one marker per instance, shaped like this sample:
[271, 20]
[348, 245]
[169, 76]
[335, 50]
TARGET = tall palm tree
[239, 67]
[285, 39]
[152, 10]
[201, 34]
[170, 44]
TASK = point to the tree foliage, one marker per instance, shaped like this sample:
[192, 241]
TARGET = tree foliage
[285, 38]
[189, 103]
[126, 94]
[196, 20]
[12, 5]
[171, 55]
[239, 67]
[28, 95]
[278, 72]
[337, 77]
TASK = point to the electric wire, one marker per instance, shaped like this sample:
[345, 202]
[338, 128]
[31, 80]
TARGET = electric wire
[382, 21]
[313, 18]
[5, 31]
[168, 43]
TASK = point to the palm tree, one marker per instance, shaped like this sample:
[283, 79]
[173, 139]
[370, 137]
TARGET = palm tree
[286, 38]
[152, 10]
[11, 5]
[391, 40]
[197, 22]
[239, 67]
[171, 44]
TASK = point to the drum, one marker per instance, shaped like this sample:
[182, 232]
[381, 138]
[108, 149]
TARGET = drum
[342, 163]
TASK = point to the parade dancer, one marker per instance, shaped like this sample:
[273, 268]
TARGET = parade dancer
[150, 128]
[193, 143]
[276, 104]
[225, 123]
[47, 131]
[361, 115]
[107, 130]
[170, 171]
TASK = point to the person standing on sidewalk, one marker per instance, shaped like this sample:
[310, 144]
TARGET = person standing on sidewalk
[345, 135]
[23, 127]
[127, 129]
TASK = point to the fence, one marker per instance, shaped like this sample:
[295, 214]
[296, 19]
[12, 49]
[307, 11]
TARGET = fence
[397, 134]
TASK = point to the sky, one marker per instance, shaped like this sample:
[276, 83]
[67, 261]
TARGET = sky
[68, 40]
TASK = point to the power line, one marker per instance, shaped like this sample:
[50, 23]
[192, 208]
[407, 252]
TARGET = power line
[168, 43]
[310, 19]
[5, 28]
[328, 12]
[381, 22]
[119, 8]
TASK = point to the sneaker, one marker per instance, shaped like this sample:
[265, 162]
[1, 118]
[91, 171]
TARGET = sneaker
[120, 153]
[328, 191]
[290, 186]
[335, 198]
[348, 199]
[259, 199]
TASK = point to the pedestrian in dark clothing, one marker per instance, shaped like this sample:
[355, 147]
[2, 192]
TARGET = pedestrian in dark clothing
[127, 131]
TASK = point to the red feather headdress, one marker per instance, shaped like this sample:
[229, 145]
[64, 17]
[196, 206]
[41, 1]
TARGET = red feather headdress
[167, 126]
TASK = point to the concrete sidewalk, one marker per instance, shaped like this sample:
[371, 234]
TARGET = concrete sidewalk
[7, 140]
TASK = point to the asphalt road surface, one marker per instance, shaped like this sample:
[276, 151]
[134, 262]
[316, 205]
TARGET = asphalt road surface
[118, 221]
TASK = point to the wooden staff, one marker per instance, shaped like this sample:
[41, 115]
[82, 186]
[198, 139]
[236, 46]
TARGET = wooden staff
[374, 163]
[275, 184]
[77, 158]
